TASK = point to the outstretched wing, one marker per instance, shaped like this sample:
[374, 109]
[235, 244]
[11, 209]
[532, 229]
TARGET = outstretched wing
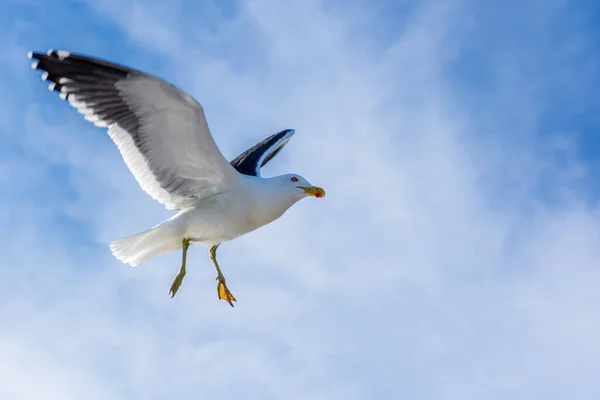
[160, 130]
[250, 161]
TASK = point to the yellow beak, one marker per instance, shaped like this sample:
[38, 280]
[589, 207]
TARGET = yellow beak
[313, 191]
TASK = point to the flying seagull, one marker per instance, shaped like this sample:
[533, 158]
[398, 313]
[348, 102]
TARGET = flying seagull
[163, 136]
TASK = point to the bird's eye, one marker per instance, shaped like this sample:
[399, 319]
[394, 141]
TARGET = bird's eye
[294, 179]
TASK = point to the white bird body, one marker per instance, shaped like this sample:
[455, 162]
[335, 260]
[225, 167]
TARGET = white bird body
[265, 200]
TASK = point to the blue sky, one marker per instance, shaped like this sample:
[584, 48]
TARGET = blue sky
[456, 255]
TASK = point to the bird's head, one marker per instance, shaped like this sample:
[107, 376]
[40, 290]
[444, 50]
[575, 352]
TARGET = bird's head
[300, 187]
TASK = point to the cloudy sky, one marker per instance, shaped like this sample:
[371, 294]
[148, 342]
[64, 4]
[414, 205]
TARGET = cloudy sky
[456, 255]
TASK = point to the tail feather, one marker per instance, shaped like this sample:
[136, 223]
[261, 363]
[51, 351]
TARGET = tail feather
[136, 249]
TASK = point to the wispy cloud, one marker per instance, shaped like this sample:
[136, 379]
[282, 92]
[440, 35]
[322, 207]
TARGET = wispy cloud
[455, 255]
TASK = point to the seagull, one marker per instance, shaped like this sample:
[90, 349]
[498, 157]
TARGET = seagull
[164, 139]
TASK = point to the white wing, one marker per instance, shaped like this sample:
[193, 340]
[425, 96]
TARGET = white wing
[160, 130]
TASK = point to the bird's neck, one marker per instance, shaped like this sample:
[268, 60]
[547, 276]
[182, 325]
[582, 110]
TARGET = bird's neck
[271, 200]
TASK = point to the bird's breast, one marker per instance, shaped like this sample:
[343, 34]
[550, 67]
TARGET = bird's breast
[227, 216]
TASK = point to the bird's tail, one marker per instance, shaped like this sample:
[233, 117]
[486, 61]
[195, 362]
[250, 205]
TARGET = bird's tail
[135, 249]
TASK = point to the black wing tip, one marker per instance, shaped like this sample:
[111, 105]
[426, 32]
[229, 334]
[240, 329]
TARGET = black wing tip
[250, 161]
[58, 60]
[59, 64]
[281, 134]
[59, 54]
[41, 57]
[38, 64]
[286, 133]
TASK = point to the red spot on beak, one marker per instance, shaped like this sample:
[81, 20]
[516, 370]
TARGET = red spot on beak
[318, 195]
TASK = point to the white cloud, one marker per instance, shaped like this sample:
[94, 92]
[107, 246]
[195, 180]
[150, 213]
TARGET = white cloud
[433, 269]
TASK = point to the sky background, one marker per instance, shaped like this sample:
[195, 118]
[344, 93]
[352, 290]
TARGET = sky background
[456, 255]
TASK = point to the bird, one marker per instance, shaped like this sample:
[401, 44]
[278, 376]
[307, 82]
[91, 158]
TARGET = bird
[163, 136]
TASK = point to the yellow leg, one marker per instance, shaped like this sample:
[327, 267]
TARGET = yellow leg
[185, 243]
[222, 290]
